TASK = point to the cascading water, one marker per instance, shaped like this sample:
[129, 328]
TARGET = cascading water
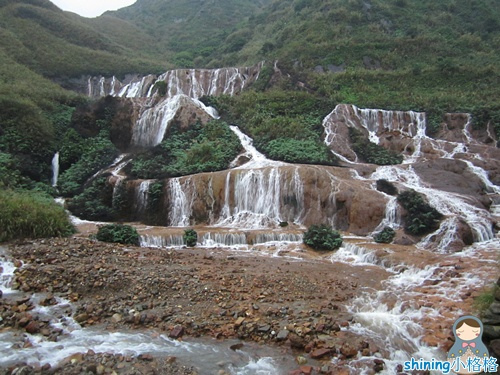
[7, 269]
[449, 204]
[194, 83]
[257, 159]
[142, 195]
[180, 206]
[55, 169]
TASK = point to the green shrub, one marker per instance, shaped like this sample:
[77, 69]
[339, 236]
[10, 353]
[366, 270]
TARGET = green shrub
[99, 153]
[118, 233]
[190, 237]
[421, 217]
[207, 148]
[485, 299]
[385, 236]
[31, 215]
[95, 202]
[371, 152]
[322, 237]
[305, 151]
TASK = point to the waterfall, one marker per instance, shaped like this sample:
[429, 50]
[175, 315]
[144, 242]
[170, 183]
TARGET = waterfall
[392, 217]
[277, 237]
[180, 206]
[194, 83]
[257, 198]
[449, 204]
[223, 239]
[55, 169]
[152, 124]
[257, 159]
[172, 240]
[142, 195]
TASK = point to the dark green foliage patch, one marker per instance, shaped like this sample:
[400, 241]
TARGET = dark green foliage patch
[118, 233]
[322, 237]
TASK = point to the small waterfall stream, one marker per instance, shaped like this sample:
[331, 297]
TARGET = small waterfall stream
[55, 169]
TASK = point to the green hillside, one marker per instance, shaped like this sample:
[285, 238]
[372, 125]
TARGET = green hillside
[57, 44]
[192, 32]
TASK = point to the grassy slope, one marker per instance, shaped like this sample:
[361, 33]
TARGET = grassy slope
[192, 32]
[58, 44]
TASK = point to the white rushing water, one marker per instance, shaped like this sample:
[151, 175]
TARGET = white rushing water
[7, 269]
[256, 158]
[55, 169]
[393, 317]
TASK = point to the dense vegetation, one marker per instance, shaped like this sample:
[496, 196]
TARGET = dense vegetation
[322, 237]
[285, 125]
[370, 152]
[118, 233]
[31, 215]
[421, 218]
[190, 237]
[201, 148]
[385, 236]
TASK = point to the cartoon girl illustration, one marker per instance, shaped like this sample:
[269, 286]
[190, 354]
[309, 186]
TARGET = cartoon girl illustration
[468, 331]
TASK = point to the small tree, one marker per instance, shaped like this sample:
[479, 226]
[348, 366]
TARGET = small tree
[190, 237]
[322, 237]
[385, 236]
[118, 233]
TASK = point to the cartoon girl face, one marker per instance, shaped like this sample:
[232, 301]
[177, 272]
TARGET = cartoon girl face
[466, 332]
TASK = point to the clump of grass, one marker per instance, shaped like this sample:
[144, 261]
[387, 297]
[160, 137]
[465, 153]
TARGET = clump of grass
[485, 299]
[31, 215]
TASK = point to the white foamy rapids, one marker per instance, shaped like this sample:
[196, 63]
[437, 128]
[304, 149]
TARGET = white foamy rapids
[223, 240]
[274, 237]
[257, 159]
[209, 356]
[55, 169]
[449, 204]
[7, 269]
[356, 255]
[173, 240]
[395, 330]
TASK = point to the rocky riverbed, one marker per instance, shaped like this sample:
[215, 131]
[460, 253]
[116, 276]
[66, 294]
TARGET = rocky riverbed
[298, 307]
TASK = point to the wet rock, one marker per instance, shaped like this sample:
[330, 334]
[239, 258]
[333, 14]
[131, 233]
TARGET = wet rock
[306, 370]
[348, 350]
[116, 318]
[282, 335]
[491, 332]
[264, 328]
[320, 353]
[33, 327]
[177, 332]
[146, 357]
[80, 318]
[296, 341]
[301, 360]
[236, 346]
[378, 365]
